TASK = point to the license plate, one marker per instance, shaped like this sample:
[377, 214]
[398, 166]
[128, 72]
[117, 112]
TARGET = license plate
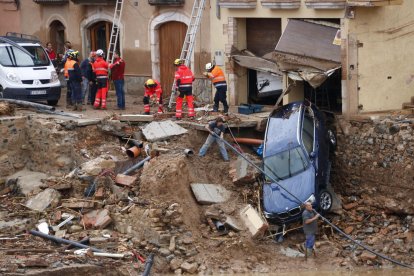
[38, 92]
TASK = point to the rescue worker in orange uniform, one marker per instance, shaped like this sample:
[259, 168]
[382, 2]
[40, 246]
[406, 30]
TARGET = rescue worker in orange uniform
[68, 86]
[75, 78]
[100, 67]
[153, 91]
[219, 81]
[184, 84]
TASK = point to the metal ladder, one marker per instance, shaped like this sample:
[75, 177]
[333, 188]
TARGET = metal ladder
[189, 40]
[116, 21]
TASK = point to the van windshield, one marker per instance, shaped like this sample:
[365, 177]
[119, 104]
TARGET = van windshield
[14, 57]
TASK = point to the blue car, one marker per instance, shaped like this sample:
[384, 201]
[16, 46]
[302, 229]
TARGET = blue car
[296, 155]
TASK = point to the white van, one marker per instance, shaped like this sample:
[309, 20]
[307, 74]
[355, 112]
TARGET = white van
[26, 72]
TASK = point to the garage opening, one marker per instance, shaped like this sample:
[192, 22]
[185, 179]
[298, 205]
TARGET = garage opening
[262, 36]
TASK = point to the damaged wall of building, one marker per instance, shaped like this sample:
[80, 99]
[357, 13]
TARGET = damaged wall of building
[385, 70]
[376, 157]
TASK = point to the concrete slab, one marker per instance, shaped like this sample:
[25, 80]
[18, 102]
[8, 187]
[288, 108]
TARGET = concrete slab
[43, 200]
[157, 131]
[28, 181]
[136, 118]
[210, 193]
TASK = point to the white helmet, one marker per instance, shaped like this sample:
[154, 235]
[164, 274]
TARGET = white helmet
[100, 53]
[209, 66]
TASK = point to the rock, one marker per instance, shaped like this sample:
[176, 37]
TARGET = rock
[95, 166]
[241, 172]
[349, 230]
[370, 141]
[210, 193]
[27, 181]
[189, 267]
[369, 230]
[367, 256]
[97, 219]
[164, 252]
[289, 252]
[172, 244]
[350, 206]
[125, 180]
[41, 201]
[233, 224]
[75, 228]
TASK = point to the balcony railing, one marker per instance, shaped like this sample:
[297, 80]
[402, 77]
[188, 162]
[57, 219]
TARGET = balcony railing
[374, 3]
[94, 2]
[52, 2]
[325, 4]
[281, 4]
[238, 4]
[166, 2]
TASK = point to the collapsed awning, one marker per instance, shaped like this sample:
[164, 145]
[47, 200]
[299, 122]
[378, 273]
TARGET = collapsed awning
[249, 60]
[309, 51]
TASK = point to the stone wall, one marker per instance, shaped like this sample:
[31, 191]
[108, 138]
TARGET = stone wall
[374, 160]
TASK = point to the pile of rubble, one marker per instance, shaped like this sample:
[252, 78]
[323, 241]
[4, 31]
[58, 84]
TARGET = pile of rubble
[197, 215]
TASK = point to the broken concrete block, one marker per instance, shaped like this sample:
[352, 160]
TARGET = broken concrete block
[95, 166]
[78, 204]
[157, 131]
[189, 267]
[28, 181]
[97, 219]
[210, 193]
[41, 201]
[136, 118]
[241, 172]
[125, 180]
[253, 221]
[60, 234]
[233, 224]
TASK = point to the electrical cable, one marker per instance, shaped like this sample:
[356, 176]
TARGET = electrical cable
[322, 217]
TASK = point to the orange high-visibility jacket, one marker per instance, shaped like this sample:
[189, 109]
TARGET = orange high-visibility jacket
[217, 76]
[68, 64]
[100, 67]
[184, 76]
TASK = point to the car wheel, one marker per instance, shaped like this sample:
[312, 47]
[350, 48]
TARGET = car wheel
[325, 201]
[52, 102]
[332, 138]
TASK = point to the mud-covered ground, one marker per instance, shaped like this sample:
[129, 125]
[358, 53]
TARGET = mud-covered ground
[159, 214]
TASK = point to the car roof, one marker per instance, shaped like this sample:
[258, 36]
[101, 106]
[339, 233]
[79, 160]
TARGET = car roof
[282, 129]
[20, 41]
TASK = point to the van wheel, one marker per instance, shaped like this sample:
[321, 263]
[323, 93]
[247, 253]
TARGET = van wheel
[52, 102]
[325, 200]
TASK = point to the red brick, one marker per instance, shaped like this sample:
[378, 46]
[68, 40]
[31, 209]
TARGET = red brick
[350, 206]
[125, 180]
[97, 219]
[100, 193]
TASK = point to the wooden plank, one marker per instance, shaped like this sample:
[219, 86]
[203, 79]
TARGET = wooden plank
[78, 204]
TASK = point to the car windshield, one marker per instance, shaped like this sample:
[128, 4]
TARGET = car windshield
[285, 164]
[14, 57]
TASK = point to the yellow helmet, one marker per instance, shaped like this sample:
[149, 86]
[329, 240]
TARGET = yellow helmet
[150, 83]
[178, 62]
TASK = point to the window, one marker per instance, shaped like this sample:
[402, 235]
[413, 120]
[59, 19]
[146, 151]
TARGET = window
[286, 164]
[308, 133]
[12, 56]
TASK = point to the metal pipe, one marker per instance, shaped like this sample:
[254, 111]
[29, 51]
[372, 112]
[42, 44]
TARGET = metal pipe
[189, 152]
[219, 226]
[148, 265]
[29, 104]
[64, 241]
[136, 166]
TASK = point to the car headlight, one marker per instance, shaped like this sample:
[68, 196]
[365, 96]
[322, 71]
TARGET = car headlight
[13, 77]
[311, 199]
[54, 76]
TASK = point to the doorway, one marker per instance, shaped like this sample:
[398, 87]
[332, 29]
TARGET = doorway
[57, 36]
[99, 35]
[171, 38]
